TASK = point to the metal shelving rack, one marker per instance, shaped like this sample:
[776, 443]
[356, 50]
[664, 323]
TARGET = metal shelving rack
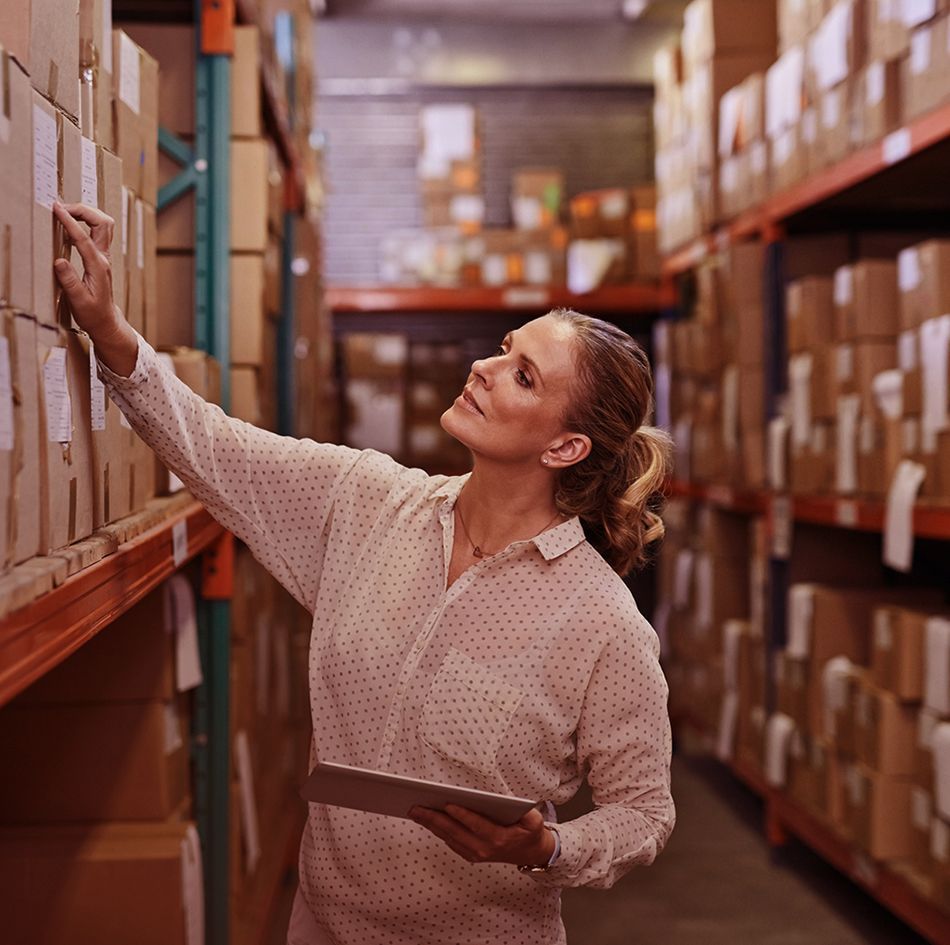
[905, 163]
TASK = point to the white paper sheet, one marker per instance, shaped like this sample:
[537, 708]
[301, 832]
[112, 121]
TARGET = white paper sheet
[846, 444]
[129, 79]
[801, 610]
[888, 390]
[899, 515]
[908, 269]
[90, 174]
[908, 346]
[59, 410]
[6, 397]
[45, 160]
[728, 718]
[937, 666]
[778, 736]
[799, 376]
[836, 676]
[935, 362]
[181, 614]
[97, 393]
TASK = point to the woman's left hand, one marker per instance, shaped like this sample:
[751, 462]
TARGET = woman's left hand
[480, 840]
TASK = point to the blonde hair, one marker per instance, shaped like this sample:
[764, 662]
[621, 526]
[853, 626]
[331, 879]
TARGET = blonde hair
[615, 491]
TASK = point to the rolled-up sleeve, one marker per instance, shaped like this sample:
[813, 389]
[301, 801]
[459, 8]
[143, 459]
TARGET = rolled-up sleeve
[275, 493]
[624, 740]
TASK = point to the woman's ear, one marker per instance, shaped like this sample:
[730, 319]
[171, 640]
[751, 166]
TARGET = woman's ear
[568, 451]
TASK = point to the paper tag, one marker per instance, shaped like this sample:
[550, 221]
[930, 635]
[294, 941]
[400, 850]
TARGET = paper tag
[801, 610]
[45, 161]
[844, 286]
[846, 443]
[183, 622]
[935, 364]
[526, 212]
[896, 146]
[90, 174]
[129, 79]
[139, 235]
[920, 52]
[467, 208]
[173, 739]
[915, 12]
[494, 269]
[105, 51]
[59, 412]
[874, 84]
[192, 878]
[778, 438]
[6, 397]
[614, 205]
[126, 196]
[781, 520]
[908, 269]
[844, 363]
[907, 350]
[899, 515]
[180, 542]
[249, 825]
[799, 375]
[97, 393]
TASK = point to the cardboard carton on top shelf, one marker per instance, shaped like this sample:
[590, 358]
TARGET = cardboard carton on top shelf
[65, 456]
[925, 72]
[16, 186]
[57, 172]
[95, 71]
[879, 101]
[837, 49]
[715, 27]
[113, 882]
[44, 39]
[809, 308]
[135, 90]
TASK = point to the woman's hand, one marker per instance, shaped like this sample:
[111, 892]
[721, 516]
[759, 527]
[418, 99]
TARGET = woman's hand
[480, 840]
[90, 297]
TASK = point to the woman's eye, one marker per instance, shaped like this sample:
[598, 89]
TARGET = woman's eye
[499, 351]
[523, 378]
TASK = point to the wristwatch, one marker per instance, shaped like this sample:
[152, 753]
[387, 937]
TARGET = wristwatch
[543, 868]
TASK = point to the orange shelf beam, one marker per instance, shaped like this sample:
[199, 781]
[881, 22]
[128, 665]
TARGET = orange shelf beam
[889, 888]
[646, 298]
[41, 635]
[914, 137]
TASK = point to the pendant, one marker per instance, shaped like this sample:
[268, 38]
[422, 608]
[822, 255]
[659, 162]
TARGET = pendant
[477, 552]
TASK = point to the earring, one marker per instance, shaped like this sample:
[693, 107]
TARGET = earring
[545, 461]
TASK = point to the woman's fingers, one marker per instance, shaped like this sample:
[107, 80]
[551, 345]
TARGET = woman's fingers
[101, 225]
[73, 286]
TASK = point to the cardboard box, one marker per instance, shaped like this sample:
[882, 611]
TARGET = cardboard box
[65, 457]
[921, 816]
[131, 660]
[109, 884]
[536, 197]
[16, 186]
[809, 313]
[715, 27]
[897, 658]
[141, 472]
[925, 82]
[249, 202]
[885, 730]
[879, 105]
[247, 309]
[172, 46]
[151, 314]
[135, 90]
[44, 38]
[141, 770]
[927, 721]
[866, 301]
[882, 813]
[837, 48]
[95, 71]
[57, 172]
[245, 394]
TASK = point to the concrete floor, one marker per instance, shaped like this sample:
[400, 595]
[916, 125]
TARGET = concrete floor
[717, 883]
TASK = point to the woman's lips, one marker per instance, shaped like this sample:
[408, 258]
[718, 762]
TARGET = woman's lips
[468, 401]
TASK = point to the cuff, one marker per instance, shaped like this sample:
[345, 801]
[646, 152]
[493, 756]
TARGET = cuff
[139, 373]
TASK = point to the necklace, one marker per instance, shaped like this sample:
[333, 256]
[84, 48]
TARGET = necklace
[476, 549]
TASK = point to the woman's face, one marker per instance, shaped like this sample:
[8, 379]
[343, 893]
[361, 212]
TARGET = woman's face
[513, 403]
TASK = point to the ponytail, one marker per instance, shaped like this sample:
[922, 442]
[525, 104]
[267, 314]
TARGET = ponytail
[615, 490]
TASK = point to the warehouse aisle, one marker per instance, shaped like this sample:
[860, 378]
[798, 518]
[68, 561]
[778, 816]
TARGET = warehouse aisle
[717, 882]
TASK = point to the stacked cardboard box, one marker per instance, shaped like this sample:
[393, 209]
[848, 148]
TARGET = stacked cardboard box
[742, 146]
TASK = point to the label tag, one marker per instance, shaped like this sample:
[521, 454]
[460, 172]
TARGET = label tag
[896, 146]
[97, 393]
[180, 543]
[6, 397]
[59, 412]
[180, 612]
[129, 80]
[242, 757]
[781, 515]
[45, 163]
[90, 174]
[899, 515]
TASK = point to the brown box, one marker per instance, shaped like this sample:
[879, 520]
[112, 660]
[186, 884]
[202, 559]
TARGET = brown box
[247, 309]
[791, 682]
[16, 186]
[924, 282]
[809, 313]
[866, 301]
[924, 70]
[131, 660]
[108, 883]
[95, 72]
[57, 172]
[141, 472]
[173, 47]
[249, 202]
[715, 27]
[245, 394]
[44, 38]
[921, 818]
[20, 331]
[879, 108]
[644, 255]
[135, 88]
[881, 813]
[897, 658]
[65, 456]
[884, 732]
[859, 363]
[141, 769]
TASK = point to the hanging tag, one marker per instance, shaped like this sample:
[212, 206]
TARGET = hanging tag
[180, 543]
[97, 393]
[242, 757]
[899, 515]
[781, 509]
[6, 397]
[183, 622]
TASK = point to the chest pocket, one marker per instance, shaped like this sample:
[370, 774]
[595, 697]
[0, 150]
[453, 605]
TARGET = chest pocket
[467, 712]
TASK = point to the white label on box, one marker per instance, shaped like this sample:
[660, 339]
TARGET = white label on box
[910, 436]
[59, 412]
[874, 84]
[6, 397]
[90, 174]
[920, 807]
[45, 162]
[250, 833]
[105, 41]
[908, 269]
[899, 515]
[883, 635]
[915, 12]
[467, 208]
[846, 513]
[920, 52]
[937, 665]
[526, 212]
[783, 147]
[182, 620]
[781, 516]
[494, 269]
[614, 205]
[759, 158]
[537, 268]
[799, 375]
[173, 739]
[888, 389]
[831, 109]
[896, 146]
[180, 542]
[940, 840]
[844, 363]
[126, 196]
[907, 350]
[778, 736]
[935, 362]
[801, 611]
[139, 235]
[844, 286]
[129, 78]
[97, 393]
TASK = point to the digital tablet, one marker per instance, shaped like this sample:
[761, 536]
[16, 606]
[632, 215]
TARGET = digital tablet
[382, 793]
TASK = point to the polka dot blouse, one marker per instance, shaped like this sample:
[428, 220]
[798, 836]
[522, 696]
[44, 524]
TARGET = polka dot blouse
[532, 670]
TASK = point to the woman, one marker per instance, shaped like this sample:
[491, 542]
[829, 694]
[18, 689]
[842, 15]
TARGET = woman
[466, 630]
